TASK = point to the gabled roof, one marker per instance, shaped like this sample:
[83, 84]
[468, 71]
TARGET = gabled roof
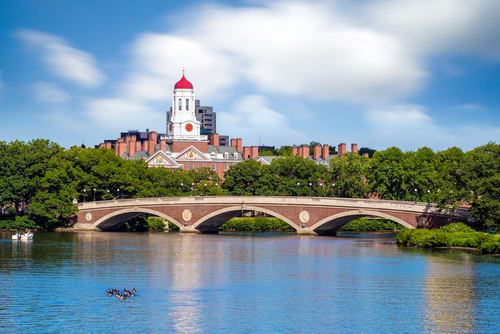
[161, 159]
[191, 153]
[266, 159]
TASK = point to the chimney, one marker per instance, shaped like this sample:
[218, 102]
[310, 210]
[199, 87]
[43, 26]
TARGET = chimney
[254, 152]
[213, 139]
[131, 148]
[138, 146]
[246, 152]
[342, 149]
[153, 136]
[326, 152]
[294, 150]
[239, 145]
[233, 142]
[354, 148]
[305, 151]
[122, 146]
[151, 146]
[317, 152]
[108, 144]
[116, 147]
[163, 145]
[102, 145]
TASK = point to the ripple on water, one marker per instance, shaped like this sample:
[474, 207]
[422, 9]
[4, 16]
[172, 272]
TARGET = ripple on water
[242, 283]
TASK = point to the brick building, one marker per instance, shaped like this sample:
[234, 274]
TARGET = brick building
[183, 145]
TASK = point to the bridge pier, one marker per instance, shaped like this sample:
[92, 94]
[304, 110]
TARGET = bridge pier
[188, 229]
[306, 231]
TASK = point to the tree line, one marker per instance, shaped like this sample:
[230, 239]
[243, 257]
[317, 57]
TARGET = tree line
[40, 180]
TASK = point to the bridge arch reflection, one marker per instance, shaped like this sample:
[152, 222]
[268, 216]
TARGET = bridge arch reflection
[212, 221]
[115, 219]
[331, 224]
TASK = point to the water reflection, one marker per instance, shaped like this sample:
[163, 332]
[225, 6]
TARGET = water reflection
[449, 294]
[242, 283]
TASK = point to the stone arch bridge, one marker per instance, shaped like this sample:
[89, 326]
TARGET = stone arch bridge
[308, 215]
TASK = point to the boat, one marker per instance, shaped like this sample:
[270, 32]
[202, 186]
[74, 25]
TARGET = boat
[23, 236]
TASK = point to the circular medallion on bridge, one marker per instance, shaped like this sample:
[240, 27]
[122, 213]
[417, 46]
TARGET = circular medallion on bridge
[304, 216]
[187, 215]
[189, 127]
[88, 216]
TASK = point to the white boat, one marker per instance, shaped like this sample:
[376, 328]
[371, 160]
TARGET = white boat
[22, 236]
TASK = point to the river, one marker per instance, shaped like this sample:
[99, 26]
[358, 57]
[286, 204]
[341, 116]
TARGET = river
[242, 283]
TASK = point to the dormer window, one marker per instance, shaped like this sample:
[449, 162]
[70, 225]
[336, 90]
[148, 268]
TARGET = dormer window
[235, 155]
[226, 155]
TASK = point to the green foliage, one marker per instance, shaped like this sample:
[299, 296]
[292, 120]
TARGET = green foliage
[370, 225]
[364, 150]
[284, 151]
[172, 227]
[453, 235]
[481, 174]
[256, 224]
[266, 153]
[348, 174]
[18, 223]
[47, 179]
[156, 224]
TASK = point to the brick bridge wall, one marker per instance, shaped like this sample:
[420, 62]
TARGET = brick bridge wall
[306, 215]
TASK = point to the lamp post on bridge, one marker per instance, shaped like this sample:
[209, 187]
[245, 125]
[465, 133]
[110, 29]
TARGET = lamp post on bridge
[94, 194]
[84, 194]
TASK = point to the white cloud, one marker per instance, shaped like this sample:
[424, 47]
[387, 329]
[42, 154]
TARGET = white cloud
[63, 61]
[409, 126]
[411, 115]
[441, 26]
[119, 115]
[291, 48]
[49, 92]
[252, 118]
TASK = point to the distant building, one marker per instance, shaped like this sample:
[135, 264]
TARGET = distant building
[185, 145]
[223, 140]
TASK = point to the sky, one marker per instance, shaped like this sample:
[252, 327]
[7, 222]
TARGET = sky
[377, 73]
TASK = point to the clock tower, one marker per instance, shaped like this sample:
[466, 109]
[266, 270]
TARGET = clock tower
[183, 125]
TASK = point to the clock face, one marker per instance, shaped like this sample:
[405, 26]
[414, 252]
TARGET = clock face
[170, 127]
[189, 127]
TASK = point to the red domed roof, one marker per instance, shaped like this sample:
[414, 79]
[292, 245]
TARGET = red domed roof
[183, 83]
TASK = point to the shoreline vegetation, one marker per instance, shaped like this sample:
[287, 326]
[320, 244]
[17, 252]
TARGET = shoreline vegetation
[453, 236]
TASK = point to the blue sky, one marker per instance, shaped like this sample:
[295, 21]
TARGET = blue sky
[378, 73]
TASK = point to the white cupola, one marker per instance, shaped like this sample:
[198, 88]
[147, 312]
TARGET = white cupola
[183, 124]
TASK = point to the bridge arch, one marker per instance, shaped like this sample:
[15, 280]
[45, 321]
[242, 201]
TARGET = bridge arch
[120, 216]
[336, 221]
[212, 221]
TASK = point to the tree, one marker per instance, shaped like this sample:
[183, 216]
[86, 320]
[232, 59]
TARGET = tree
[284, 151]
[348, 173]
[481, 174]
[22, 166]
[364, 150]
[241, 178]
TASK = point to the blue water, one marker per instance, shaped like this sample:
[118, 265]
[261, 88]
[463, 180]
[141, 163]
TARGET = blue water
[266, 283]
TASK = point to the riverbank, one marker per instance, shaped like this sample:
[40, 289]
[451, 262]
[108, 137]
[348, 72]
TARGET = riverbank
[455, 236]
